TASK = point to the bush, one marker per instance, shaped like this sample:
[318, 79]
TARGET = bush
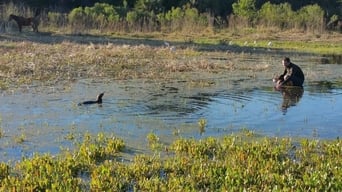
[280, 16]
[100, 16]
[311, 17]
[245, 9]
[186, 19]
[175, 18]
[77, 17]
[132, 17]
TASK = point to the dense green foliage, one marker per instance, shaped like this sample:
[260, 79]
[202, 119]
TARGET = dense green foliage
[218, 7]
[190, 19]
[231, 163]
[166, 16]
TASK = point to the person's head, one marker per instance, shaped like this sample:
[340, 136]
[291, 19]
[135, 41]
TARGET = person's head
[286, 61]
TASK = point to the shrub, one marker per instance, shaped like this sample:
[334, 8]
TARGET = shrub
[280, 15]
[178, 19]
[175, 18]
[311, 17]
[245, 9]
[100, 16]
[77, 17]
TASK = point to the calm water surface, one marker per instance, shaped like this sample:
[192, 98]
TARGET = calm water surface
[46, 116]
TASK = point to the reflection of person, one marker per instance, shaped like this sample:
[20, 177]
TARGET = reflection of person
[292, 76]
[291, 97]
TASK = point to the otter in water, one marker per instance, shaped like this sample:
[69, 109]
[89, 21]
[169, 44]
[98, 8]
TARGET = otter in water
[98, 100]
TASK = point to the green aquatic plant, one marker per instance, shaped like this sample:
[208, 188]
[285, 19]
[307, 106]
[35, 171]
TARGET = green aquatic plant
[70, 136]
[209, 164]
[2, 132]
[247, 132]
[4, 170]
[39, 174]
[100, 148]
[153, 142]
[20, 139]
[202, 123]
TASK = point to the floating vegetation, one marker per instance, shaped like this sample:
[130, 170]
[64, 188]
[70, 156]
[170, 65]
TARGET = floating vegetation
[210, 164]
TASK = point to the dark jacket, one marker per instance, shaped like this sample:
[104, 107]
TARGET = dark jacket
[295, 74]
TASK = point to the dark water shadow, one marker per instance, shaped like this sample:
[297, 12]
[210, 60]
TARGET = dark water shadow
[323, 86]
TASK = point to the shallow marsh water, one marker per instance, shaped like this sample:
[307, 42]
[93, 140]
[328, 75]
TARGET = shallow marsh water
[42, 119]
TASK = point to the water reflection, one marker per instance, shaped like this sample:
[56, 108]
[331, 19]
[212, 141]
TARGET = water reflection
[331, 59]
[322, 86]
[291, 97]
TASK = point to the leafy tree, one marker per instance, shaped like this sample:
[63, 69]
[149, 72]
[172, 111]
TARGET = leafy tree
[148, 6]
[104, 10]
[245, 9]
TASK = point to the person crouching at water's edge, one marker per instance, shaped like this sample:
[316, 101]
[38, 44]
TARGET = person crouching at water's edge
[292, 76]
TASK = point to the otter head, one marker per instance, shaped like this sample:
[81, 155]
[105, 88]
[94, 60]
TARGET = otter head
[99, 97]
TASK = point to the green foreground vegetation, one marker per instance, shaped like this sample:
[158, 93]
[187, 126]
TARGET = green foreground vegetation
[228, 164]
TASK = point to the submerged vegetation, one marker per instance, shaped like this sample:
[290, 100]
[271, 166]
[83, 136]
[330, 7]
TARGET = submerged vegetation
[231, 163]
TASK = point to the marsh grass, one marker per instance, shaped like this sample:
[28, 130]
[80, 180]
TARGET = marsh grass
[210, 164]
[52, 58]
[27, 62]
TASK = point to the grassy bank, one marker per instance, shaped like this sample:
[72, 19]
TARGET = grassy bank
[227, 164]
[62, 59]
[50, 58]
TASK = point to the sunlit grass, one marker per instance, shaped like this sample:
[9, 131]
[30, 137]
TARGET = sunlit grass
[250, 38]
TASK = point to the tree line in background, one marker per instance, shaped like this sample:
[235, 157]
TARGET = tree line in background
[181, 15]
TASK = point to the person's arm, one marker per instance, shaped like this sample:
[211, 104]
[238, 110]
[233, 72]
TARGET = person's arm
[288, 75]
[284, 78]
[281, 77]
